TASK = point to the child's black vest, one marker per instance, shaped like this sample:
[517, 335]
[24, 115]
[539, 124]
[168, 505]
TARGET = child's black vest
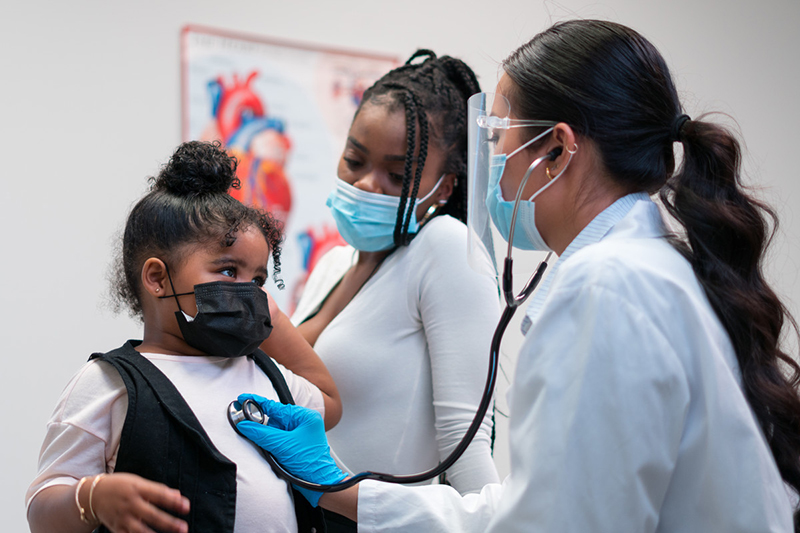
[163, 441]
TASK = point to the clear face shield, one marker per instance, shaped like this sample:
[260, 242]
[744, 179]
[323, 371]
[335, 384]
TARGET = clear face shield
[488, 121]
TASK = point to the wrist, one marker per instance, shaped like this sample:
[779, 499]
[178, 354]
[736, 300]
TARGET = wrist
[95, 482]
[83, 499]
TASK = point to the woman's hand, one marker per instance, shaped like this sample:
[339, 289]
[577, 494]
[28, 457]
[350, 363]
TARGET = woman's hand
[131, 504]
[295, 436]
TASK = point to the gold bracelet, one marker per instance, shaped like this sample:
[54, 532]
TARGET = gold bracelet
[95, 481]
[84, 518]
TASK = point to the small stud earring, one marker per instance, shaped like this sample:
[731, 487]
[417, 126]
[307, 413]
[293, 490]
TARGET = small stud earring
[158, 290]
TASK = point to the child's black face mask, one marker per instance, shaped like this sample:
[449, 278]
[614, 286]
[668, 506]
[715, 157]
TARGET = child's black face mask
[232, 318]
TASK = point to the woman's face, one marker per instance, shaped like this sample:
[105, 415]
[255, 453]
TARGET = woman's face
[375, 152]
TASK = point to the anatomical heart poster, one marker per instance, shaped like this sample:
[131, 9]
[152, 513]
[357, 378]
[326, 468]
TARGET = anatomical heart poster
[283, 109]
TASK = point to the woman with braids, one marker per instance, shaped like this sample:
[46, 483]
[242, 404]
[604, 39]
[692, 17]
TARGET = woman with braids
[400, 320]
[139, 440]
[651, 392]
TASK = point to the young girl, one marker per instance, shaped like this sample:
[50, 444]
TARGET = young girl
[139, 440]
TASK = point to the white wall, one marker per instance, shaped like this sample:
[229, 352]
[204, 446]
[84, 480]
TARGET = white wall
[90, 97]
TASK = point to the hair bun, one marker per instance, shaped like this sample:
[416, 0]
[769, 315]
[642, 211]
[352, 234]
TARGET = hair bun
[198, 168]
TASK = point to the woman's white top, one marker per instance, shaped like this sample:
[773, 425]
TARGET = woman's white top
[83, 434]
[627, 413]
[409, 355]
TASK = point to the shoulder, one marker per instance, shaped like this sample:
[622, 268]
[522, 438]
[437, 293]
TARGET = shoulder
[442, 229]
[628, 267]
[90, 395]
[335, 256]
[443, 236]
[326, 273]
[333, 264]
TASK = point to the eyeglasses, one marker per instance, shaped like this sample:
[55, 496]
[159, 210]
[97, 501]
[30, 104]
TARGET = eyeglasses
[493, 122]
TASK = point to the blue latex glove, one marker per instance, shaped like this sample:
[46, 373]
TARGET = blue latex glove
[295, 436]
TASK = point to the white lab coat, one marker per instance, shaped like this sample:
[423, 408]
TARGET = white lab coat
[626, 408]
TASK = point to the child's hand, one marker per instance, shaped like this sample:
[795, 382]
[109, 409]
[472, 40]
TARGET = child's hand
[130, 503]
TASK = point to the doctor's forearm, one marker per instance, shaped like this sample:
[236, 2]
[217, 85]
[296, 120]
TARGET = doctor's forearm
[344, 502]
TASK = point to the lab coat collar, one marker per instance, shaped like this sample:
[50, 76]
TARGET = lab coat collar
[645, 221]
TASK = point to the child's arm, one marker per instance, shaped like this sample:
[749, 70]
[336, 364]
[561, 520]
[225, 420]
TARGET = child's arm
[288, 347]
[121, 502]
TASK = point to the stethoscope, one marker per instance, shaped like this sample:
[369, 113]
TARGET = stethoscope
[250, 410]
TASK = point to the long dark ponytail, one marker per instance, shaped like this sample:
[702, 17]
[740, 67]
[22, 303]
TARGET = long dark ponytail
[612, 86]
[727, 233]
[434, 94]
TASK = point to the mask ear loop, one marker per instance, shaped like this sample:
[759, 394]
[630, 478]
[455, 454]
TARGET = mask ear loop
[518, 198]
[174, 294]
[433, 208]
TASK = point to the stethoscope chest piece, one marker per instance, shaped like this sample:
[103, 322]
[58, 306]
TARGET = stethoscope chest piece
[249, 410]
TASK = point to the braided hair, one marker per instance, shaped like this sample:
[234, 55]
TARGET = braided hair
[434, 94]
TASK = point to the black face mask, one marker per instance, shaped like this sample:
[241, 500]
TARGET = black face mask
[232, 318]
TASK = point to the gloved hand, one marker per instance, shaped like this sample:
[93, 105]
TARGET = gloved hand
[295, 436]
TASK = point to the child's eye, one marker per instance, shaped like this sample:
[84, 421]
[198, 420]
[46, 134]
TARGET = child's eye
[397, 178]
[259, 281]
[229, 272]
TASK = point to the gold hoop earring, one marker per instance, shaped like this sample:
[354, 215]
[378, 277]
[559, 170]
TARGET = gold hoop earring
[547, 171]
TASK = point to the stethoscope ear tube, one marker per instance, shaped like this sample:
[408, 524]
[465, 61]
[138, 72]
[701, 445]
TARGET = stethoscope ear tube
[512, 303]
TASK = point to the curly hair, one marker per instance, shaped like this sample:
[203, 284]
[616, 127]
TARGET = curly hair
[188, 203]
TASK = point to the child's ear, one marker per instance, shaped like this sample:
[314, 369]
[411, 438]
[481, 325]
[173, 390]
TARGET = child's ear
[154, 277]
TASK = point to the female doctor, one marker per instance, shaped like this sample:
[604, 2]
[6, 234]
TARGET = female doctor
[651, 393]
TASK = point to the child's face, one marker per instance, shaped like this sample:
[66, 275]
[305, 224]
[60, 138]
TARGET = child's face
[245, 262]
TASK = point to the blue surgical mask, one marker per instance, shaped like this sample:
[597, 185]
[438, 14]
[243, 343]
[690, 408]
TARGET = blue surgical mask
[365, 219]
[526, 234]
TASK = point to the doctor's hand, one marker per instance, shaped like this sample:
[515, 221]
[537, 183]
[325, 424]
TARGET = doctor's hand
[295, 436]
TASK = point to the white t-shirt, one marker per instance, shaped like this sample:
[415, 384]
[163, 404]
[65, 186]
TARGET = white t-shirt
[84, 432]
[409, 355]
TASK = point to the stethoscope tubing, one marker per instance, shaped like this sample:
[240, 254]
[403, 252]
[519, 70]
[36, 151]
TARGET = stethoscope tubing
[512, 303]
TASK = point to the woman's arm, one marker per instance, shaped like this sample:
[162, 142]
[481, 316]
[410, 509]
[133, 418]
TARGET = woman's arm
[459, 309]
[288, 347]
